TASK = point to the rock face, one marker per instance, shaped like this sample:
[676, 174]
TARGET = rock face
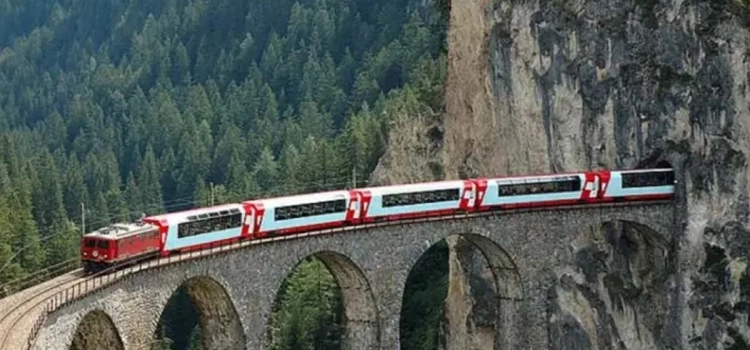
[562, 85]
[469, 276]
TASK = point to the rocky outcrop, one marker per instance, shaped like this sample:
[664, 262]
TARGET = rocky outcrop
[560, 85]
[616, 295]
[469, 314]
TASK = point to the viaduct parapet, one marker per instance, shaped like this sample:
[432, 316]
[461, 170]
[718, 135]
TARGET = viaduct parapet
[234, 292]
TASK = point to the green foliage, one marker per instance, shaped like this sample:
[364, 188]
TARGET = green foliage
[308, 314]
[132, 107]
[426, 289]
[178, 327]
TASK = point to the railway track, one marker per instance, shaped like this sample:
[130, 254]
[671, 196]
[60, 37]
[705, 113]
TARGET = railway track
[20, 313]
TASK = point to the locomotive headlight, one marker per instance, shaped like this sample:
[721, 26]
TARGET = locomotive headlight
[95, 253]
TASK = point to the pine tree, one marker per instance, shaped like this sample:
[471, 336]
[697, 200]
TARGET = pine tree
[149, 183]
[10, 268]
[180, 70]
[25, 234]
[291, 168]
[266, 170]
[64, 242]
[362, 142]
[241, 183]
[47, 193]
[133, 198]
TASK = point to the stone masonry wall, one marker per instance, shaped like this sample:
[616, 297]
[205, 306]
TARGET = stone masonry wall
[525, 250]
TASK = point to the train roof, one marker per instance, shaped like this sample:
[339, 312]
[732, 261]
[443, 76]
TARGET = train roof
[437, 185]
[535, 176]
[198, 213]
[535, 179]
[120, 229]
[302, 198]
[642, 170]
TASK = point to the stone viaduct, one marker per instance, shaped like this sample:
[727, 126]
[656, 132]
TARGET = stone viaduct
[234, 292]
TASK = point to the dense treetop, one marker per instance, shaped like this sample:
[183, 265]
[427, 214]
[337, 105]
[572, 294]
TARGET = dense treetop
[138, 106]
[125, 107]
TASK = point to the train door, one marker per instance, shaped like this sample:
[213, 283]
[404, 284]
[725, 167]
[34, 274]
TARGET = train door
[248, 224]
[467, 197]
[480, 192]
[590, 187]
[364, 204]
[254, 220]
[353, 211]
[604, 177]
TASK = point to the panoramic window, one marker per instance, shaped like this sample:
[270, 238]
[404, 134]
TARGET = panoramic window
[414, 198]
[648, 179]
[567, 184]
[309, 209]
[210, 222]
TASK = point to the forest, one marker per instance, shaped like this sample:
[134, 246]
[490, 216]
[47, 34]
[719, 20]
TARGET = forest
[114, 108]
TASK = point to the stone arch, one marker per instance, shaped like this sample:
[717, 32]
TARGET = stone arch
[360, 316]
[219, 321]
[616, 291]
[507, 280]
[498, 310]
[96, 331]
[638, 244]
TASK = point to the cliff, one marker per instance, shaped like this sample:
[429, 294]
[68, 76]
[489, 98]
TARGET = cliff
[561, 85]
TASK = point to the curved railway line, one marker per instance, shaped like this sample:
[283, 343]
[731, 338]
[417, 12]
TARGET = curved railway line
[22, 314]
[19, 312]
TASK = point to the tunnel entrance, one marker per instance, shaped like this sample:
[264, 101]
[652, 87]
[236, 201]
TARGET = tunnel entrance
[96, 331]
[460, 294]
[325, 303]
[199, 315]
[663, 164]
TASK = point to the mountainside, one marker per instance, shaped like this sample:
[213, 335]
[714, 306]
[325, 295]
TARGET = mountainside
[553, 86]
[114, 108]
[117, 108]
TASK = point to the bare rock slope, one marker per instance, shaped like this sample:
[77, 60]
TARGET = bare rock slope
[561, 85]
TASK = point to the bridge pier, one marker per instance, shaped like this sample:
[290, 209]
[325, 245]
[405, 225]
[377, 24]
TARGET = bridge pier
[389, 285]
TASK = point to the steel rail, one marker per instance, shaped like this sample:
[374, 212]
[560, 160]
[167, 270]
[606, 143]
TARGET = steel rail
[107, 277]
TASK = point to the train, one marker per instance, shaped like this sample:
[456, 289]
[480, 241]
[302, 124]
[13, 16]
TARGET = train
[178, 232]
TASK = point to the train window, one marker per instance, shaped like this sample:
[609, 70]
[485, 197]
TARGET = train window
[566, 184]
[424, 197]
[103, 244]
[309, 209]
[90, 243]
[201, 226]
[647, 179]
